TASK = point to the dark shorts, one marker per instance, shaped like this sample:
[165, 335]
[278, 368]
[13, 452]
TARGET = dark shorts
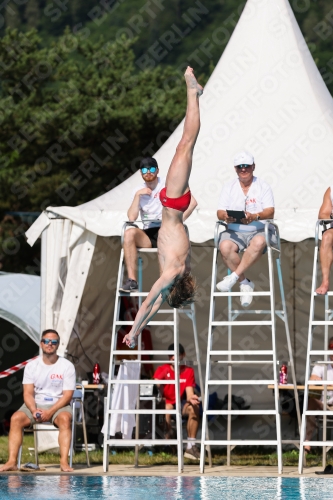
[152, 233]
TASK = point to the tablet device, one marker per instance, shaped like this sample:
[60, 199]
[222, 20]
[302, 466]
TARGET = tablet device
[236, 214]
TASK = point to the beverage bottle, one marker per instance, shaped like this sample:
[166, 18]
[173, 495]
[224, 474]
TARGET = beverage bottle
[284, 375]
[96, 374]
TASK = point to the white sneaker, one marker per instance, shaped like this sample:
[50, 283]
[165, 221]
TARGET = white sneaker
[246, 299]
[227, 283]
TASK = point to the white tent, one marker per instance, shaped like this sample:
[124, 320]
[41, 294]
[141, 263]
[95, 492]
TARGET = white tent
[265, 95]
[20, 302]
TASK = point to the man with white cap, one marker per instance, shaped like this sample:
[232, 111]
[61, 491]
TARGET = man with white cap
[253, 196]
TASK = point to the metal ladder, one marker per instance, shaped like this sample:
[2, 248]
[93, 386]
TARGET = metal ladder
[310, 352]
[229, 354]
[190, 313]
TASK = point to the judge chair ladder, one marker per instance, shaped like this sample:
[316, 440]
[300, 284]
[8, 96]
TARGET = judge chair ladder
[328, 321]
[230, 357]
[114, 352]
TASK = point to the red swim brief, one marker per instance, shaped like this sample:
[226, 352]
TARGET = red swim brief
[182, 203]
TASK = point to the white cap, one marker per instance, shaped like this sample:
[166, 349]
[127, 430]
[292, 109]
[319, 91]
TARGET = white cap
[243, 158]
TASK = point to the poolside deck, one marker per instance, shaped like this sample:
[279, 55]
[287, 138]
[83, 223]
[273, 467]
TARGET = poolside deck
[171, 470]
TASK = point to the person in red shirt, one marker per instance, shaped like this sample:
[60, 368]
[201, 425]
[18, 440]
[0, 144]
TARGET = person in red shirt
[190, 401]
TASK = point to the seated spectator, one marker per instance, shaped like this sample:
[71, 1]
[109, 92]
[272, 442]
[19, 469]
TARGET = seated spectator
[48, 386]
[190, 401]
[146, 200]
[326, 247]
[254, 197]
[318, 373]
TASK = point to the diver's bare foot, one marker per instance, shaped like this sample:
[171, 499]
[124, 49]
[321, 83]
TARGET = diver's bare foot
[9, 466]
[323, 288]
[191, 81]
[130, 341]
[66, 468]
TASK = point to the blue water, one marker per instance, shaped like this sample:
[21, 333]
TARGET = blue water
[173, 488]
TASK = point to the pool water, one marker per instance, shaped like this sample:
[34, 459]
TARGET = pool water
[173, 488]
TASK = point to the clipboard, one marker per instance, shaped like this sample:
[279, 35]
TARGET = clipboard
[236, 214]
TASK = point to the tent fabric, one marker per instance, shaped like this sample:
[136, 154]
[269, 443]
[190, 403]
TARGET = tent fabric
[20, 302]
[265, 95]
[65, 275]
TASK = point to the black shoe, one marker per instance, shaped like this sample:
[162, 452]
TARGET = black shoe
[192, 453]
[129, 286]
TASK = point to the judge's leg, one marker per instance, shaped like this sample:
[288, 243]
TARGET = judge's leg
[134, 238]
[18, 422]
[313, 405]
[64, 423]
[326, 259]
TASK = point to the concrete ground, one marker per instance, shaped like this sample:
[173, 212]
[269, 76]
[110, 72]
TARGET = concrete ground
[172, 470]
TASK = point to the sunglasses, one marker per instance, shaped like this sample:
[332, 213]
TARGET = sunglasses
[243, 166]
[48, 341]
[152, 170]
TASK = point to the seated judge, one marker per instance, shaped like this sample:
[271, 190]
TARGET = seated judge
[254, 196]
[190, 401]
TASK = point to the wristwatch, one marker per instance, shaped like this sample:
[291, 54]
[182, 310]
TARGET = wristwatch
[258, 217]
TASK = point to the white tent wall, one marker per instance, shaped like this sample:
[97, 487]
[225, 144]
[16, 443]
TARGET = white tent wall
[94, 320]
[68, 250]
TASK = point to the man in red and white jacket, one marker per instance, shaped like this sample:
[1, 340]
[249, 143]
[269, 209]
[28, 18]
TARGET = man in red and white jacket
[190, 401]
[48, 386]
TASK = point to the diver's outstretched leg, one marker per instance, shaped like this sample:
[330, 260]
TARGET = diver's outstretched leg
[180, 168]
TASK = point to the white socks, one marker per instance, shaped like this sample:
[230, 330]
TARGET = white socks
[244, 282]
[191, 442]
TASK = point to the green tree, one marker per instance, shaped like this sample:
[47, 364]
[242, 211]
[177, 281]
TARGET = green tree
[12, 17]
[32, 13]
[76, 116]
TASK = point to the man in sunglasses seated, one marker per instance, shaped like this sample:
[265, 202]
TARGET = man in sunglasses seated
[146, 201]
[254, 197]
[48, 386]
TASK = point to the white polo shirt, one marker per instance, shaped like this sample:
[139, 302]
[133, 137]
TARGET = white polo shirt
[150, 205]
[258, 197]
[319, 371]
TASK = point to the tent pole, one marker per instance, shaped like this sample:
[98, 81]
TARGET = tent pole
[43, 287]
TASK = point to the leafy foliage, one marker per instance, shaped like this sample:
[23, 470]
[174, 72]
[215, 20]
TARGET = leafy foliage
[75, 115]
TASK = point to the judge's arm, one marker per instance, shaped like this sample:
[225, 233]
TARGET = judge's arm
[326, 208]
[191, 397]
[192, 205]
[224, 203]
[266, 213]
[222, 214]
[133, 211]
[46, 415]
[29, 397]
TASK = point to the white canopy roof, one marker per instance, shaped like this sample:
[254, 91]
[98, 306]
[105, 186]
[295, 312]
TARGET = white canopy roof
[20, 302]
[265, 95]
